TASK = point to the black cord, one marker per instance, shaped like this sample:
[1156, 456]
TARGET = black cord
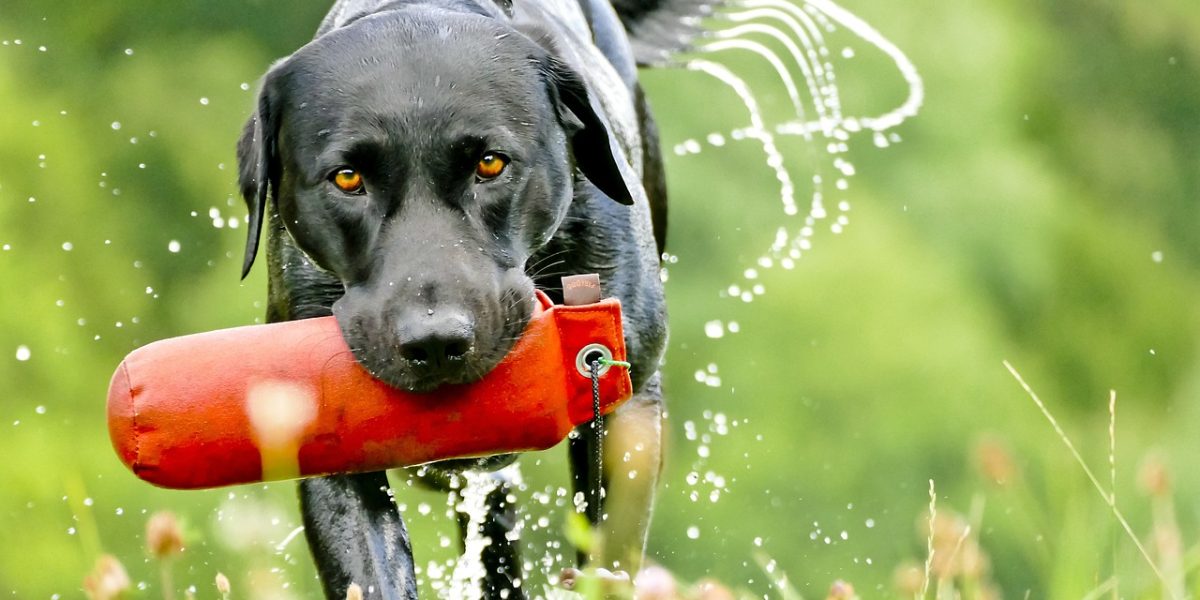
[597, 459]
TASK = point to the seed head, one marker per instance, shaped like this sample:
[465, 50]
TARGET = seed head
[995, 461]
[1154, 477]
[841, 590]
[908, 579]
[164, 538]
[222, 585]
[655, 583]
[108, 579]
[711, 589]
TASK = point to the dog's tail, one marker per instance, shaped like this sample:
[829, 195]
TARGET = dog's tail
[660, 28]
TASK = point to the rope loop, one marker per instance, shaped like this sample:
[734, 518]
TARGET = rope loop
[597, 365]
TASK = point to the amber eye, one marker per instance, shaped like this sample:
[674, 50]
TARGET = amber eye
[490, 165]
[348, 180]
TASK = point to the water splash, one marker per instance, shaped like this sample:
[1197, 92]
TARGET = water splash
[817, 114]
[462, 578]
[733, 42]
[757, 129]
[467, 576]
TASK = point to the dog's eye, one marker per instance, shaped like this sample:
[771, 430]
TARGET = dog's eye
[348, 180]
[490, 165]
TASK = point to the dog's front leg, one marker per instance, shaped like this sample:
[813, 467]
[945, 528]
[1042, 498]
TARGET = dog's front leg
[357, 536]
[631, 466]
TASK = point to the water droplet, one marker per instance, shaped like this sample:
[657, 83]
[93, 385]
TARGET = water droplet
[116, 125]
[173, 248]
[693, 532]
[41, 410]
[714, 329]
[23, 353]
[1156, 256]
[204, 101]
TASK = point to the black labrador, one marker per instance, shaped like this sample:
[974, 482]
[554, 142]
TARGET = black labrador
[420, 168]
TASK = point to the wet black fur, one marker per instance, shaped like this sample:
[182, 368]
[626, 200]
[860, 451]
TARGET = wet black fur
[410, 93]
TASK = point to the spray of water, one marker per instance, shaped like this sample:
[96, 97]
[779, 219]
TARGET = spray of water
[808, 74]
[468, 571]
[757, 129]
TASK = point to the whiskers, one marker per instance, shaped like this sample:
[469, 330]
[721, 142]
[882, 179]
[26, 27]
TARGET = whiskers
[547, 270]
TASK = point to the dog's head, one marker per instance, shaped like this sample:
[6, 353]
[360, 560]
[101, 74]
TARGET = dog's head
[422, 158]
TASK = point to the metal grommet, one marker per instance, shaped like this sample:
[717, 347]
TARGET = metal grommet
[589, 354]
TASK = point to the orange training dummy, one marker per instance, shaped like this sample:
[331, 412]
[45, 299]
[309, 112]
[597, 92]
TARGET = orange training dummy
[288, 400]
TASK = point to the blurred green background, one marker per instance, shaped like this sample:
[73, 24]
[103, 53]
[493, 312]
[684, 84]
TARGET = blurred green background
[1042, 209]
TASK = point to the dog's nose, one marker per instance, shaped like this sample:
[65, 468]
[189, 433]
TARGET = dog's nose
[437, 339]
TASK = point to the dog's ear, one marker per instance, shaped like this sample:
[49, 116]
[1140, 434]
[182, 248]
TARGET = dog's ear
[258, 164]
[592, 142]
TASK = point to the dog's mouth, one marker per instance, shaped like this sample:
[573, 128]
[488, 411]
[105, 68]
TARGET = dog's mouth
[427, 367]
[420, 377]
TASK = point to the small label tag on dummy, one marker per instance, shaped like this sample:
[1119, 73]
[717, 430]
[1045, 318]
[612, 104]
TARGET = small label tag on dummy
[581, 289]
